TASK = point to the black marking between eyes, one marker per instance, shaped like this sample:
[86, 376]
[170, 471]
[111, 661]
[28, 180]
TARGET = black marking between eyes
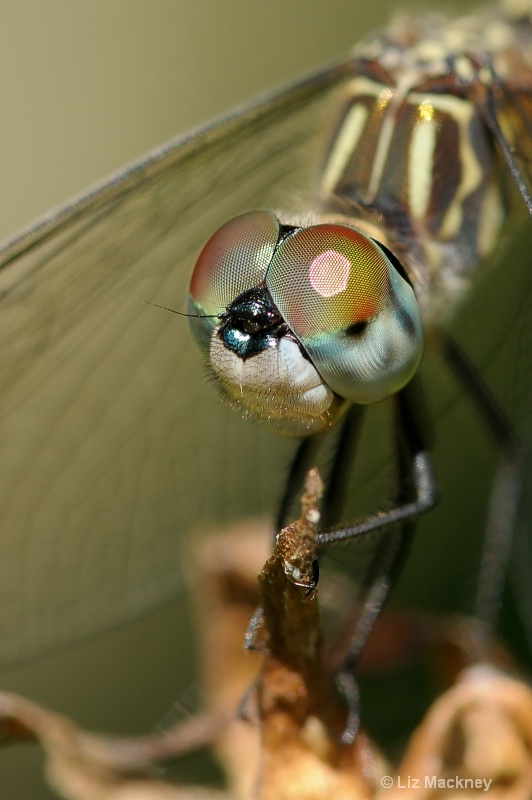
[251, 324]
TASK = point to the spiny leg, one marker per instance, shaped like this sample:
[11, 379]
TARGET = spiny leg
[423, 483]
[393, 548]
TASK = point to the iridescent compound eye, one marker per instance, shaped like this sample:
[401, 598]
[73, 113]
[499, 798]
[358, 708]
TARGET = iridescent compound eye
[234, 259]
[351, 310]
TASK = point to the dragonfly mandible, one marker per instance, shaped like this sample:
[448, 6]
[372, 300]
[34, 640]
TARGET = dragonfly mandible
[84, 273]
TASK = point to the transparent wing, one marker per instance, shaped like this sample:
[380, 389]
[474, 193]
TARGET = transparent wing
[111, 445]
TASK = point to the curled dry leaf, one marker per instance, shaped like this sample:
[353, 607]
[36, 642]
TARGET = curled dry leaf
[84, 766]
[476, 739]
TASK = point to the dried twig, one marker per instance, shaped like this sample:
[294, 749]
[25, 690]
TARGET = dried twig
[302, 717]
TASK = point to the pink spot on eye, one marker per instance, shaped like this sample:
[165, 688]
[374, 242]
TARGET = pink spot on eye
[329, 273]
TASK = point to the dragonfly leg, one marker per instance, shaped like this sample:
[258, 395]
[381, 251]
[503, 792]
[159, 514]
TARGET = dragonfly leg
[348, 689]
[393, 549]
[344, 456]
[505, 495]
[303, 460]
[423, 480]
[488, 89]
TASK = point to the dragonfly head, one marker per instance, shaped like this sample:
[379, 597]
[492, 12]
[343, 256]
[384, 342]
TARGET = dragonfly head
[296, 322]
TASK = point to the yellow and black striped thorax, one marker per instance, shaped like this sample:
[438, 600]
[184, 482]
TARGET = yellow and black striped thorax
[418, 151]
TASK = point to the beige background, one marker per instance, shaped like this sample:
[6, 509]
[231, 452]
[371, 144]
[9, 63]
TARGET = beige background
[87, 87]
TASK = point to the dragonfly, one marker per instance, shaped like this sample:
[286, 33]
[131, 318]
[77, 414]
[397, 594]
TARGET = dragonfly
[299, 317]
[96, 432]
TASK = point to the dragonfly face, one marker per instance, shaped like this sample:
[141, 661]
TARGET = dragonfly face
[90, 482]
[333, 320]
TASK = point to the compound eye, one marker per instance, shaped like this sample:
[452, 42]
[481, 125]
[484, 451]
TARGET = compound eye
[354, 314]
[234, 260]
[328, 278]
